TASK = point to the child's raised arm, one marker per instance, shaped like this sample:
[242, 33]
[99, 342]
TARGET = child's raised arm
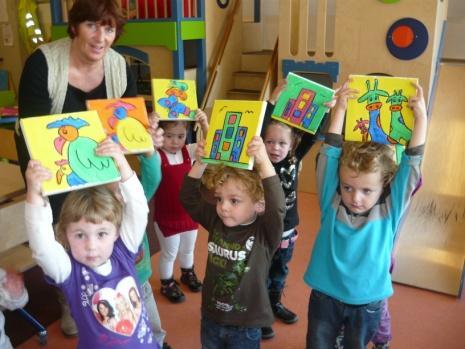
[202, 120]
[256, 148]
[134, 219]
[337, 118]
[417, 104]
[49, 254]
[35, 174]
[198, 167]
[155, 131]
[282, 85]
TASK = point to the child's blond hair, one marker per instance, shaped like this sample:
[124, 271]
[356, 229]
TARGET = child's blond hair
[368, 157]
[217, 175]
[95, 205]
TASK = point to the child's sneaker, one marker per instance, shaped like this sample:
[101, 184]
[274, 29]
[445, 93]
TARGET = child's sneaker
[267, 332]
[189, 278]
[381, 346]
[171, 290]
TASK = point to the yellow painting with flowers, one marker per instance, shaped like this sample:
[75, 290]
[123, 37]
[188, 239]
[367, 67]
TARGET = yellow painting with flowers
[175, 99]
[379, 112]
[65, 144]
[232, 126]
[125, 120]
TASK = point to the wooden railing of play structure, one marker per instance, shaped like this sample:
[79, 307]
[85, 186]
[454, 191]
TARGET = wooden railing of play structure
[271, 73]
[219, 56]
[145, 9]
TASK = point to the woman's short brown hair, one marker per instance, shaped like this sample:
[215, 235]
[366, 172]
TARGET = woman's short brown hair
[95, 205]
[107, 12]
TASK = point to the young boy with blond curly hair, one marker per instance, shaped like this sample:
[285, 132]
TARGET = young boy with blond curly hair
[244, 229]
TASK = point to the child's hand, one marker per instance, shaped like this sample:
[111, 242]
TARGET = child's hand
[155, 131]
[263, 163]
[342, 95]
[337, 118]
[36, 174]
[417, 103]
[202, 120]
[332, 103]
[14, 284]
[282, 85]
[109, 148]
[256, 148]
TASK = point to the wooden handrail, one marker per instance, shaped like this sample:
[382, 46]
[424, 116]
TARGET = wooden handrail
[271, 72]
[219, 55]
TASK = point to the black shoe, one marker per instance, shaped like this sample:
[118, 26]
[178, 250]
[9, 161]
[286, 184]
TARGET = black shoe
[189, 278]
[267, 332]
[166, 346]
[171, 290]
[284, 314]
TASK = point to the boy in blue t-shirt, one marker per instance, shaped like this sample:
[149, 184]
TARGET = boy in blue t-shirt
[363, 197]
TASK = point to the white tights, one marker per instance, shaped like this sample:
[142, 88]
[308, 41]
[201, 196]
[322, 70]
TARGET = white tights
[181, 244]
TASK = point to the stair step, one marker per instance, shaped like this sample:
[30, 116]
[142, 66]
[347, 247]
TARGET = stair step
[256, 61]
[249, 80]
[243, 94]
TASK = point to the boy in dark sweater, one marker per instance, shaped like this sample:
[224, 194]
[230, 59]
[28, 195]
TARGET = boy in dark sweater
[243, 235]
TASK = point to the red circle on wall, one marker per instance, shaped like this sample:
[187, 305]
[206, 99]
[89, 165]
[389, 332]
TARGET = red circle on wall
[403, 36]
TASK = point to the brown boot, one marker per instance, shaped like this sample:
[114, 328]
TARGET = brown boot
[67, 323]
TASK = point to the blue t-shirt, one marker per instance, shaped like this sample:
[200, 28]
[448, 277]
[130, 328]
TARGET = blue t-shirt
[352, 253]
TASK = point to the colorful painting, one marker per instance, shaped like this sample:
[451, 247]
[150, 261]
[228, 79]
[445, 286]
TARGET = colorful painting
[301, 104]
[175, 99]
[379, 113]
[232, 126]
[65, 144]
[126, 121]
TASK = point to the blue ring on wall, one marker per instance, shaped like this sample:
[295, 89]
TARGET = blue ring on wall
[418, 44]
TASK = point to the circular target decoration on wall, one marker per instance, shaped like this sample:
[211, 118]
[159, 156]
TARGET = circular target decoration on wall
[407, 38]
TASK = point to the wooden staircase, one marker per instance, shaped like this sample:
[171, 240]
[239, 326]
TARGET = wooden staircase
[249, 81]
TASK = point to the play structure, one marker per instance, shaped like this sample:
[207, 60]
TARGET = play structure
[327, 41]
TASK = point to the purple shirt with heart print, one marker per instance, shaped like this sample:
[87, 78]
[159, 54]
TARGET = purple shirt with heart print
[108, 310]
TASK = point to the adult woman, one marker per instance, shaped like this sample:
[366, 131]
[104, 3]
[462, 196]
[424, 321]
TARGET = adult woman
[60, 76]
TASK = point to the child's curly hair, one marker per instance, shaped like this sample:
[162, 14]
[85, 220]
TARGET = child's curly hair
[367, 157]
[95, 205]
[217, 175]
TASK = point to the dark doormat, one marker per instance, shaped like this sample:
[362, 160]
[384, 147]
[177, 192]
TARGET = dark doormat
[43, 305]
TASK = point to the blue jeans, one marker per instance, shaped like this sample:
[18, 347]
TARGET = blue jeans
[326, 316]
[216, 336]
[279, 269]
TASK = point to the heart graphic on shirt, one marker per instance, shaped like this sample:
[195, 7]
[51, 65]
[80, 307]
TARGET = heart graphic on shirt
[118, 309]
